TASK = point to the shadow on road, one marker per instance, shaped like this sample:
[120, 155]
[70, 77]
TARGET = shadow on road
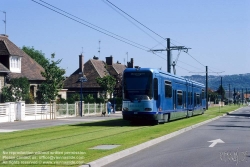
[239, 115]
[230, 126]
[114, 123]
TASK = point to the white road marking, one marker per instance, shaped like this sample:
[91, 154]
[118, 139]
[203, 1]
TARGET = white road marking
[9, 130]
[216, 141]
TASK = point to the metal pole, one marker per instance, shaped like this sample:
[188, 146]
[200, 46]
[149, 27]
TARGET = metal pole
[229, 95]
[81, 98]
[242, 97]
[234, 96]
[5, 22]
[246, 96]
[206, 88]
[168, 56]
[221, 89]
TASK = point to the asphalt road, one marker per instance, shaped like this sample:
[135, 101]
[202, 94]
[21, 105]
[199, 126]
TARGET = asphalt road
[224, 142]
[24, 125]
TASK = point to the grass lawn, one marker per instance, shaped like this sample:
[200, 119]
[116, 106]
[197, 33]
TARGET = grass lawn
[69, 145]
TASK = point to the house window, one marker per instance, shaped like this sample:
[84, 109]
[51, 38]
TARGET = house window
[15, 64]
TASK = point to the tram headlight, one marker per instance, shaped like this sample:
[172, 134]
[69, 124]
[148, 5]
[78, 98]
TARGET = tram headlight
[125, 109]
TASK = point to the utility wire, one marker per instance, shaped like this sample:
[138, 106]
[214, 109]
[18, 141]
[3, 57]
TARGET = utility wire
[195, 59]
[159, 56]
[200, 62]
[93, 25]
[180, 61]
[177, 41]
[118, 11]
[159, 43]
[135, 19]
[146, 27]
[129, 42]
[189, 65]
[183, 68]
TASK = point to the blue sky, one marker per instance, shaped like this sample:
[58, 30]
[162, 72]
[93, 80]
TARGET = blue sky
[218, 31]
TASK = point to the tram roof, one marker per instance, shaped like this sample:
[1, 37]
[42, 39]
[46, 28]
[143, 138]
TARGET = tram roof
[155, 70]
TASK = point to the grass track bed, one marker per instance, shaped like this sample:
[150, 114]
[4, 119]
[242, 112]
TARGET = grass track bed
[81, 137]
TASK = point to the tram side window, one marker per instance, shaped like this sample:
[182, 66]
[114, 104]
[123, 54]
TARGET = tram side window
[198, 98]
[155, 88]
[179, 97]
[195, 99]
[203, 94]
[184, 99]
[189, 98]
[168, 89]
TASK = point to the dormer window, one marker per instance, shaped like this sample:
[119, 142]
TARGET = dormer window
[15, 64]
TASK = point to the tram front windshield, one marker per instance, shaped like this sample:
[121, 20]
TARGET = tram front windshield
[137, 86]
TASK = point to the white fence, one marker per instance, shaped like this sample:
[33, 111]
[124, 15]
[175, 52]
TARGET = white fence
[90, 109]
[19, 111]
[37, 111]
[66, 110]
[4, 113]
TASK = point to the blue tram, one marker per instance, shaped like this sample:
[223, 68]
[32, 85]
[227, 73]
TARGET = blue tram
[153, 95]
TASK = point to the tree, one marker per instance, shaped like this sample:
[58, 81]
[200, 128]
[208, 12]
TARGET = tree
[221, 92]
[108, 83]
[118, 86]
[212, 95]
[54, 76]
[73, 97]
[38, 56]
[89, 99]
[17, 91]
[7, 94]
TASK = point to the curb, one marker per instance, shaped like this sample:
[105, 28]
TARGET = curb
[113, 157]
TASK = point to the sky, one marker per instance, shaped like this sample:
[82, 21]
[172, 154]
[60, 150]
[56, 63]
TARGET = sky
[217, 31]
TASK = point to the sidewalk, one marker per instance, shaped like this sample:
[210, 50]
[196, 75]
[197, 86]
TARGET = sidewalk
[33, 124]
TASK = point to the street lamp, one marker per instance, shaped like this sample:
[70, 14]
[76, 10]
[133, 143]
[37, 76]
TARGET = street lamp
[82, 79]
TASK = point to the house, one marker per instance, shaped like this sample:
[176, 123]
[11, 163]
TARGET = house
[93, 69]
[15, 63]
[246, 96]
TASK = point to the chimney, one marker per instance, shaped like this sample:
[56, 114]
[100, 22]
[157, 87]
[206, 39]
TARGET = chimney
[81, 63]
[4, 35]
[95, 58]
[130, 64]
[109, 60]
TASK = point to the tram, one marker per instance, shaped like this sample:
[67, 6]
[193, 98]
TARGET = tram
[154, 95]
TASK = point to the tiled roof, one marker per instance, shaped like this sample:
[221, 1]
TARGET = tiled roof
[246, 95]
[90, 72]
[99, 67]
[119, 68]
[93, 69]
[72, 80]
[3, 68]
[29, 67]
[3, 49]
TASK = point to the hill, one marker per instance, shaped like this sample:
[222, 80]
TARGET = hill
[238, 81]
